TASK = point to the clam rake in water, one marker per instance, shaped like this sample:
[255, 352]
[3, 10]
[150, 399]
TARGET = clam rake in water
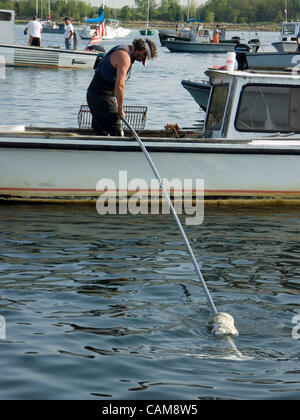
[221, 323]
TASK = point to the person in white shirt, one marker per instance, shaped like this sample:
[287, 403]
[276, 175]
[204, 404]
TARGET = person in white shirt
[69, 32]
[34, 29]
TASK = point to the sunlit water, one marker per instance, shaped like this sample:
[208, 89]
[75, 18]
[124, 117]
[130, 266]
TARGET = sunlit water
[109, 307]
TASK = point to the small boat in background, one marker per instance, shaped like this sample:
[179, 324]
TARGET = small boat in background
[200, 42]
[288, 37]
[50, 27]
[199, 46]
[147, 31]
[112, 28]
[183, 32]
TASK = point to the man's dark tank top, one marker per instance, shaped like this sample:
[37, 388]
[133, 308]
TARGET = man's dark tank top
[105, 74]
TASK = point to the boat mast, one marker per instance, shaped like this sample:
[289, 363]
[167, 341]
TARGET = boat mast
[148, 16]
[286, 11]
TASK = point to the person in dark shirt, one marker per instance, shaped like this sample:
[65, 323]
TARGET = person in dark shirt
[105, 94]
[241, 58]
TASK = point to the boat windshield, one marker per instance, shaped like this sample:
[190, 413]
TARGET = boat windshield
[289, 29]
[5, 16]
[269, 108]
[217, 107]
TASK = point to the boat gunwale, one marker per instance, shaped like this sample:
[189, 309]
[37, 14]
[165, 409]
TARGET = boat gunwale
[50, 49]
[117, 144]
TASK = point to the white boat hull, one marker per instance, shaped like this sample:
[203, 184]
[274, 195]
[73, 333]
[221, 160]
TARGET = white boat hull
[68, 169]
[27, 56]
[285, 46]
[270, 60]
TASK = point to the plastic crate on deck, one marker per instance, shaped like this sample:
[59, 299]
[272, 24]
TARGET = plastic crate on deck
[135, 115]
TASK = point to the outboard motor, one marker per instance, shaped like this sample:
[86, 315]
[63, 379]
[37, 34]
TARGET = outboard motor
[254, 44]
[236, 39]
[241, 58]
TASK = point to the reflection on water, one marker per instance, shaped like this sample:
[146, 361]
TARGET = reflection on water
[110, 307]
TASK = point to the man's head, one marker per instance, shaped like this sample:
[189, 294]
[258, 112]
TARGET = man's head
[67, 20]
[35, 18]
[143, 50]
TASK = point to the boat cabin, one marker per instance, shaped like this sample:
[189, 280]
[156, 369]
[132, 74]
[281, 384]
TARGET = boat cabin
[290, 31]
[7, 20]
[252, 104]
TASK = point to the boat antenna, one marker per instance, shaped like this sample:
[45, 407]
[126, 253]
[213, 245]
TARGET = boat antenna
[221, 324]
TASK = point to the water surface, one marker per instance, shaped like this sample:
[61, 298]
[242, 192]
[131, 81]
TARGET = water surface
[110, 307]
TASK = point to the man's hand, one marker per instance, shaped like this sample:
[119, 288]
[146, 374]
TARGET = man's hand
[121, 112]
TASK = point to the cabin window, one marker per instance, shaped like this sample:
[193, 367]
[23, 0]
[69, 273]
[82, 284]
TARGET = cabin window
[217, 107]
[5, 16]
[289, 29]
[269, 108]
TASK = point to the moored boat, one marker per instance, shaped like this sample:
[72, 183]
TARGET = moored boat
[50, 27]
[248, 152]
[147, 31]
[15, 55]
[199, 47]
[112, 30]
[182, 32]
[288, 37]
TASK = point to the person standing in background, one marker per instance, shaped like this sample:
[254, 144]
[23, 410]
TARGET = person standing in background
[34, 29]
[69, 32]
[216, 34]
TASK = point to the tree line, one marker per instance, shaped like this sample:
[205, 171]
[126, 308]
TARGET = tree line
[213, 11]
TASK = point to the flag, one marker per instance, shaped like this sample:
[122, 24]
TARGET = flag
[99, 33]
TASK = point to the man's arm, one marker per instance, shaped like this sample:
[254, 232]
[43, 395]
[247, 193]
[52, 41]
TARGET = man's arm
[121, 61]
[71, 33]
[26, 29]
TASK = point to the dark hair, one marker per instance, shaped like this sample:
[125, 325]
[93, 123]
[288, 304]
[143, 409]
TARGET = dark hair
[140, 45]
[67, 18]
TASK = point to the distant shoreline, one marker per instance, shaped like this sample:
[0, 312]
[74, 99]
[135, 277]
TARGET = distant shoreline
[253, 27]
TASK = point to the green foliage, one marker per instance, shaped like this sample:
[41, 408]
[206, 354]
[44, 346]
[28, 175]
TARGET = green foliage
[250, 11]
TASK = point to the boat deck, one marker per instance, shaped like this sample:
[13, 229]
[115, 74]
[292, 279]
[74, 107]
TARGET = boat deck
[173, 136]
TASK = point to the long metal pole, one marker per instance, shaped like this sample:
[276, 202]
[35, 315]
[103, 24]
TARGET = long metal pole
[188, 246]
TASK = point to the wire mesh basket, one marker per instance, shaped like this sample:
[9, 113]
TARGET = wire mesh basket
[135, 116]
